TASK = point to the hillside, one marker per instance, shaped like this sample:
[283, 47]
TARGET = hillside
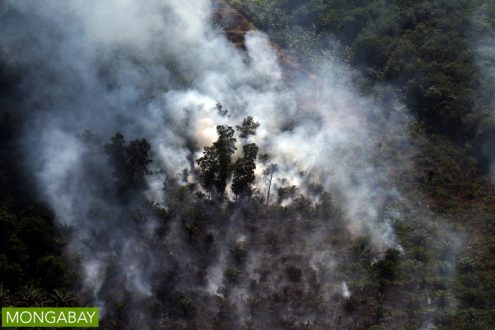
[417, 47]
[179, 168]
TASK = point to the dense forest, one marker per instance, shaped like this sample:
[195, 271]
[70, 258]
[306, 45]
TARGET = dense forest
[425, 50]
[335, 173]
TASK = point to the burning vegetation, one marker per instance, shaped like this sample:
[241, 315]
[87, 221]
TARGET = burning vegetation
[170, 164]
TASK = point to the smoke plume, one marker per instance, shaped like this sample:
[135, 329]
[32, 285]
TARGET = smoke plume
[157, 69]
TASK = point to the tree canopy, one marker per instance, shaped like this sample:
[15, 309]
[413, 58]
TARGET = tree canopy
[130, 162]
[216, 163]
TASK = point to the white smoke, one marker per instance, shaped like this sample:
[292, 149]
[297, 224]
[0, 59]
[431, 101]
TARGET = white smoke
[484, 45]
[157, 69]
[345, 290]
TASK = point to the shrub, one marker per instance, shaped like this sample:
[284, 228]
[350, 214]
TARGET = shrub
[294, 274]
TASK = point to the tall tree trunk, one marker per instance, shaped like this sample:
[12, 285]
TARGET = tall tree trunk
[269, 185]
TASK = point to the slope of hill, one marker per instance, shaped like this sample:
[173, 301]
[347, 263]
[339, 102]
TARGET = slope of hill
[133, 176]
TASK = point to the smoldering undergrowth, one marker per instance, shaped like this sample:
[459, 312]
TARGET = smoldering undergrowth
[160, 253]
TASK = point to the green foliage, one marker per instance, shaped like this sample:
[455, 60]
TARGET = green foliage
[239, 252]
[225, 148]
[209, 166]
[31, 264]
[216, 166]
[31, 253]
[244, 167]
[186, 305]
[247, 128]
[11, 274]
[195, 222]
[216, 161]
[130, 161]
[376, 327]
[62, 298]
[51, 272]
[386, 269]
[30, 296]
[423, 48]
[232, 274]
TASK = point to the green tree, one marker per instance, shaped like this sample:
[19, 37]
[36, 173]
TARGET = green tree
[248, 127]
[225, 147]
[209, 165]
[137, 160]
[215, 164]
[116, 152]
[130, 161]
[244, 171]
